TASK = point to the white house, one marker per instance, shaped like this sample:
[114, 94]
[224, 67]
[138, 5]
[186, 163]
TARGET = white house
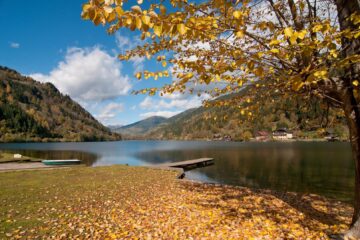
[16, 155]
[282, 134]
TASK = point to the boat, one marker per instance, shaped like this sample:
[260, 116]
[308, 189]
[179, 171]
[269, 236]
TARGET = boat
[61, 162]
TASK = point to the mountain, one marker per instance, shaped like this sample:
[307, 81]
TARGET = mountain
[34, 111]
[306, 119]
[114, 127]
[141, 127]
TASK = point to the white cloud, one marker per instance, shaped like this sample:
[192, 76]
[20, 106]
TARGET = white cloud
[88, 74]
[179, 102]
[166, 114]
[124, 44]
[14, 45]
[110, 111]
[138, 63]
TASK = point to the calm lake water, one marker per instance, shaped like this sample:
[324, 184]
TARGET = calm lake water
[323, 168]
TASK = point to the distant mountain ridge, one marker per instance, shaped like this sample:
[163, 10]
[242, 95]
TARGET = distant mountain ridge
[140, 127]
[34, 111]
[310, 119]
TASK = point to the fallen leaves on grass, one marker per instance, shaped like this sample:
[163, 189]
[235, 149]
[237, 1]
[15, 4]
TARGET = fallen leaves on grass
[139, 203]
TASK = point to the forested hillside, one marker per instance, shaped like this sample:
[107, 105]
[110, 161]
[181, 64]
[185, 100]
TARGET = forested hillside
[34, 111]
[314, 119]
[140, 127]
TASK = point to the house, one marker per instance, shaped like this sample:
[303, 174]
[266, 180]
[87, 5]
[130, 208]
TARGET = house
[262, 136]
[282, 134]
[219, 137]
[227, 138]
[17, 156]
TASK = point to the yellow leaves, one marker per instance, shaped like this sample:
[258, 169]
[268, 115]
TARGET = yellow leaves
[158, 30]
[240, 34]
[293, 35]
[119, 11]
[274, 42]
[138, 75]
[138, 23]
[145, 19]
[163, 63]
[322, 74]
[355, 83]
[317, 28]
[274, 50]
[181, 28]
[288, 32]
[301, 35]
[296, 83]
[237, 14]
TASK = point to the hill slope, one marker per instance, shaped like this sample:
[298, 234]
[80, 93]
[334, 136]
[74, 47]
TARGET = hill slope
[310, 119]
[140, 127]
[34, 111]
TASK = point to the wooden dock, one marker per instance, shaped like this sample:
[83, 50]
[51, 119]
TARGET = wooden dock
[190, 164]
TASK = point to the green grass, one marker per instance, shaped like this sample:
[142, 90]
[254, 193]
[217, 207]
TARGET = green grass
[9, 157]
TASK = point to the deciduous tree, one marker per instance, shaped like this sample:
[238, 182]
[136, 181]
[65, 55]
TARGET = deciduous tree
[275, 48]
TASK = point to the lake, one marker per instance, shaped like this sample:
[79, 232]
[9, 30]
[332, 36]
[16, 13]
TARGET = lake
[324, 168]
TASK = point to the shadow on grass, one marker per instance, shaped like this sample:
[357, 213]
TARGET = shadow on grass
[308, 210]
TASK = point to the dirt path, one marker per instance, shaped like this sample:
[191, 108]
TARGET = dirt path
[22, 166]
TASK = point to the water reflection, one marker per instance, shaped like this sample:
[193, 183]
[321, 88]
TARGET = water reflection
[322, 168]
[86, 158]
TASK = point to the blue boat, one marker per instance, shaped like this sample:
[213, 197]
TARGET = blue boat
[61, 162]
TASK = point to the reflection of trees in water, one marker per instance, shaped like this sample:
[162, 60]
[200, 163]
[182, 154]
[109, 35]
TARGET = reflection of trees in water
[289, 167]
[85, 157]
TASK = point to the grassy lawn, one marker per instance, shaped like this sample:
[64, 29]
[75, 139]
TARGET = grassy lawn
[9, 157]
[120, 202]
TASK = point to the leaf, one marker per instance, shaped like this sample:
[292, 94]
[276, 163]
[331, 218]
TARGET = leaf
[288, 31]
[136, 9]
[302, 34]
[240, 34]
[163, 63]
[296, 86]
[274, 42]
[158, 30]
[138, 75]
[237, 14]
[138, 23]
[355, 83]
[145, 19]
[162, 9]
[181, 28]
[275, 50]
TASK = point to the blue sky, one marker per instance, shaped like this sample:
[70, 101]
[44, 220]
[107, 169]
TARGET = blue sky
[50, 42]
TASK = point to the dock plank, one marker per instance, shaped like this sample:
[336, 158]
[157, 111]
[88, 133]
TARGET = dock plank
[200, 162]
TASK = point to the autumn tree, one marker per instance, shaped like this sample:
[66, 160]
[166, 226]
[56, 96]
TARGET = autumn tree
[274, 48]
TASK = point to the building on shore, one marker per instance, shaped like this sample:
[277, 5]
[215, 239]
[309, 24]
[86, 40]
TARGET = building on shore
[262, 136]
[282, 134]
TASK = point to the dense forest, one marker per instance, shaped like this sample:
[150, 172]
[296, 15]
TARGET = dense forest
[34, 111]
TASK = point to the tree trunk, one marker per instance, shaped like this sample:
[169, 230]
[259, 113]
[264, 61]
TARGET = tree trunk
[352, 112]
[351, 105]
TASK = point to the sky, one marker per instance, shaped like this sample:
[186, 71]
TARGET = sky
[49, 41]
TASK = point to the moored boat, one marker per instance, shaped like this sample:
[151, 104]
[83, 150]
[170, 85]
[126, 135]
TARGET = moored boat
[61, 162]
